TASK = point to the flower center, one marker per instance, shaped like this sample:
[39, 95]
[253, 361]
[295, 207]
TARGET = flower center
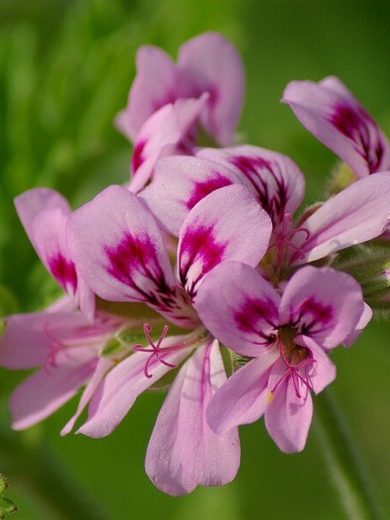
[159, 353]
[282, 251]
[298, 360]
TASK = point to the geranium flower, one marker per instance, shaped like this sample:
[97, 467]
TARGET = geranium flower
[330, 111]
[287, 336]
[44, 214]
[119, 249]
[207, 64]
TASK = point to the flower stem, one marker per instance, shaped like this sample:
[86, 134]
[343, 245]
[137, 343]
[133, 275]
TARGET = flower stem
[344, 462]
[42, 477]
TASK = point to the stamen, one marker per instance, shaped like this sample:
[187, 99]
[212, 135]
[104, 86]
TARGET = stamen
[288, 353]
[155, 349]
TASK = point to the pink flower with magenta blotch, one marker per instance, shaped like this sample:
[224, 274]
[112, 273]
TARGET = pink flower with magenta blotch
[120, 250]
[330, 112]
[44, 214]
[288, 337]
[357, 214]
[207, 64]
[65, 347]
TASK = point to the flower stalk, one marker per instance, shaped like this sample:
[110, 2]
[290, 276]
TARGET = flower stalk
[343, 461]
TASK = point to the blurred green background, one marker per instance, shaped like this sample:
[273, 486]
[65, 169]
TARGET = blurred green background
[65, 70]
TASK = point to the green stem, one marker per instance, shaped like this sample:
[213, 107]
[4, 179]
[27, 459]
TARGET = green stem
[44, 478]
[344, 462]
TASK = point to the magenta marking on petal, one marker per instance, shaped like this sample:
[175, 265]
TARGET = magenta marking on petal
[356, 124]
[199, 245]
[202, 189]
[138, 158]
[271, 189]
[136, 255]
[64, 271]
[134, 262]
[254, 311]
[168, 98]
[312, 316]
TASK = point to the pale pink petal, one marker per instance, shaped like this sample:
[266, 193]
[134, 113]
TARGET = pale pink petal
[41, 394]
[323, 371]
[239, 308]
[32, 202]
[275, 179]
[169, 131]
[64, 303]
[153, 87]
[119, 249]
[228, 224]
[24, 343]
[288, 418]
[244, 396]
[103, 366]
[44, 214]
[322, 303]
[183, 451]
[120, 388]
[364, 320]
[336, 118]
[49, 229]
[179, 183]
[353, 216]
[210, 63]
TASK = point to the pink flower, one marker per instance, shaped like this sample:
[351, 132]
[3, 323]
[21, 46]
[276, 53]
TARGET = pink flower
[330, 112]
[120, 251]
[287, 336]
[65, 347]
[207, 64]
[357, 214]
[44, 214]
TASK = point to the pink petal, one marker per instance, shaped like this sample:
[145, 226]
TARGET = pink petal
[336, 118]
[244, 397]
[275, 179]
[353, 216]
[120, 388]
[183, 451]
[322, 303]
[32, 202]
[228, 224]
[49, 228]
[239, 308]
[288, 418]
[119, 249]
[41, 394]
[324, 371]
[179, 183]
[153, 87]
[44, 214]
[169, 131]
[24, 343]
[210, 63]
[364, 320]
[103, 366]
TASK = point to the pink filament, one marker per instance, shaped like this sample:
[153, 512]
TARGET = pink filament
[155, 349]
[293, 371]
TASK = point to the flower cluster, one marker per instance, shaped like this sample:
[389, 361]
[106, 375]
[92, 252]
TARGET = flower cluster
[244, 323]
